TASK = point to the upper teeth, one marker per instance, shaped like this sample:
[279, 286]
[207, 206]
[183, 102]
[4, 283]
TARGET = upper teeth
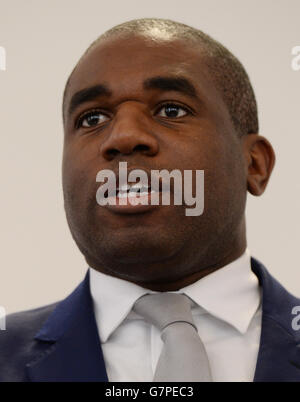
[132, 187]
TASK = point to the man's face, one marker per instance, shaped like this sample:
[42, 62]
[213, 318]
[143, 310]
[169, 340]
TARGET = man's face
[146, 118]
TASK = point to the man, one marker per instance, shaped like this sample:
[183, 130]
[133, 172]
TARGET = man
[157, 95]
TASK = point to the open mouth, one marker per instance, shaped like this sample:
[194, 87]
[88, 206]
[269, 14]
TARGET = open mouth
[133, 194]
[135, 190]
[132, 198]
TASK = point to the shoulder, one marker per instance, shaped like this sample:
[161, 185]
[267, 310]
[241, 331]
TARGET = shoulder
[17, 344]
[277, 302]
[25, 323]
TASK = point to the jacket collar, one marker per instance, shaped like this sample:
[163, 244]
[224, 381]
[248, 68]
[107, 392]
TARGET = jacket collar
[279, 350]
[72, 350]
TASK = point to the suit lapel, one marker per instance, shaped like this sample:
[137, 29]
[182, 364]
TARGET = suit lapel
[279, 350]
[69, 341]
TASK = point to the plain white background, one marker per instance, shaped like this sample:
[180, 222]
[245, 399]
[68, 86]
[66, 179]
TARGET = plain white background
[44, 39]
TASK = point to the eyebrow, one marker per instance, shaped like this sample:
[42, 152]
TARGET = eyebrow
[86, 95]
[178, 84]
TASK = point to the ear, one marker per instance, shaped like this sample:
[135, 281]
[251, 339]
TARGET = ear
[260, 159]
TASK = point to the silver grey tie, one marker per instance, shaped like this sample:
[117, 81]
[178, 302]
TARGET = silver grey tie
[183, 357]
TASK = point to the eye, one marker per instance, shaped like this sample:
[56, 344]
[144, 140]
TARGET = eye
[172, 110]
[91, 119]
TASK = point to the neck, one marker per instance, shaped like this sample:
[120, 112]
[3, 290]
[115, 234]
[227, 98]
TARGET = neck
[215, 257]
[190, 279]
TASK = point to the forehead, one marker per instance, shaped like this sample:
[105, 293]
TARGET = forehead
[124, 63]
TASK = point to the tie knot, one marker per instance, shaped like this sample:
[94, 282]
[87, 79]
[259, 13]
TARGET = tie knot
[163, 309]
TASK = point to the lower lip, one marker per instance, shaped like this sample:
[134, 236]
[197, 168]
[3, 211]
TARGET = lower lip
[131, 204]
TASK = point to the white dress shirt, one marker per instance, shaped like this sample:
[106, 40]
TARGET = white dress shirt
[226, 311]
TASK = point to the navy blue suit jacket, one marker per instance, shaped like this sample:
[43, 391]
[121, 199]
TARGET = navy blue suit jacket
[60, 342]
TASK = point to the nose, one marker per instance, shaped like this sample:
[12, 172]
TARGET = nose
[130, 133]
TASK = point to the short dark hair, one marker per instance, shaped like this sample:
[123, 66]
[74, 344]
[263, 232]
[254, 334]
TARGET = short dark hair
[226, 71]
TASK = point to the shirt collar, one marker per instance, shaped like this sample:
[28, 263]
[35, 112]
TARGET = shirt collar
[230, 294]
[113, 299]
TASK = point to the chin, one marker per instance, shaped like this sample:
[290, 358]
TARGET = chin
[137, 250]
[140, 272]
[135, 258]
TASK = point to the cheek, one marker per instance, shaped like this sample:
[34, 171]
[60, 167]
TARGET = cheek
[226, 185]
[77, 174]
[224, 171]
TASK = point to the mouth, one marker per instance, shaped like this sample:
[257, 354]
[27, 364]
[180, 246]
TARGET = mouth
[132, 198]
[126, 196]
[135, 190]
